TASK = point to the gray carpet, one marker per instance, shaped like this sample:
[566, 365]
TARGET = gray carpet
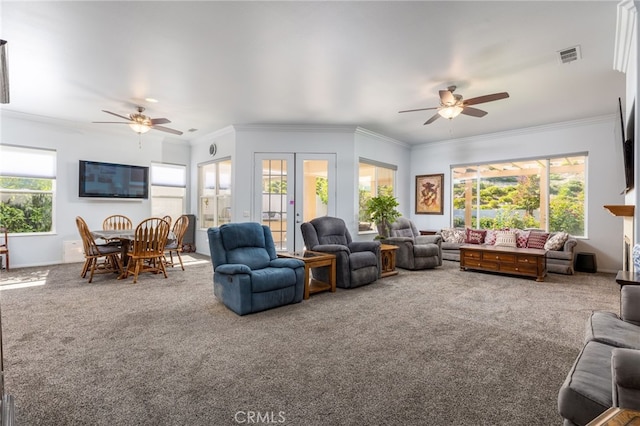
[435, 347]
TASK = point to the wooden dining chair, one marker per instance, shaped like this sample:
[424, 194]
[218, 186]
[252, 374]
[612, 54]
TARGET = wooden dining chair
[117, 221]
[147, 248]
[94, 252]
[4, 245]
[168, 219]
[175, 246]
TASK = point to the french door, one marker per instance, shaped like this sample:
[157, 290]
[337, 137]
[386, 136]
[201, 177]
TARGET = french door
[292, 188]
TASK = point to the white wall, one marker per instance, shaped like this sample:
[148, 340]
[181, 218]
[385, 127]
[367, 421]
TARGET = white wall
[605, 178]
[349, 143]
[74, 142]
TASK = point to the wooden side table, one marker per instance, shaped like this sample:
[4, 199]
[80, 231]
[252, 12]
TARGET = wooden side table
[615, 416]
[315, 259]
[388, 260]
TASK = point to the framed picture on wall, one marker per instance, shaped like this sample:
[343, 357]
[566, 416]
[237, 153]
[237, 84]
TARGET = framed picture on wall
[429, 197]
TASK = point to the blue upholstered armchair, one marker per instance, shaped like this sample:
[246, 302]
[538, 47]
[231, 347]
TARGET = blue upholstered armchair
[357, 262]
[247, 274]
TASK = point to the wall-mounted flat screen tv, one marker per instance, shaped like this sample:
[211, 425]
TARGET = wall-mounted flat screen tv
[109, 180]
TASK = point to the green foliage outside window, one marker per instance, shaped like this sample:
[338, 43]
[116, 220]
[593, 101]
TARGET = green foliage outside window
[22, 210]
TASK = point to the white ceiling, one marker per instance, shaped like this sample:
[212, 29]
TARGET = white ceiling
[212, 64]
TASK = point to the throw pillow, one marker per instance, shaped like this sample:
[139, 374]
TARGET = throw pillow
[453, 235]
[506, 239]
[522, 237]
[491, 236]
[475, 236]
[537, 239]
[556, 241]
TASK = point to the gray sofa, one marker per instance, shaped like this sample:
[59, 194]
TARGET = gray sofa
[606, 372]
[558, 261]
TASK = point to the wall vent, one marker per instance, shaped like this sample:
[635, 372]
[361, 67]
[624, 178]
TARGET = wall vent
[569, 54]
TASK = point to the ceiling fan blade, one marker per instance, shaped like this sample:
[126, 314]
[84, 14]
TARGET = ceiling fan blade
[117, 115]
[474, 112]
[155, 121]
[432, 119]
[419, 109]
[486, 98]
[446, 97]
[166, 129]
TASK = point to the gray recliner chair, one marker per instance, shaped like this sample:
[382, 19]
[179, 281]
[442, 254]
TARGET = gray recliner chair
[606, 373]
[415, 251]
[357, 262]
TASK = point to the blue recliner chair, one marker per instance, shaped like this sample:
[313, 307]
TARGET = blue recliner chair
[247, 274]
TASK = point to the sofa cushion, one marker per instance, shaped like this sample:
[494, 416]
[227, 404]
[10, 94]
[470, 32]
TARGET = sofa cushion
[537, 239]
[474, 236]
[426, 250]
[556, 241]
[559, 255]
[453, 235]
[521, 238]
[362, 259]
[490, 238]
[607, 327]
[586, 392]
[506, 239]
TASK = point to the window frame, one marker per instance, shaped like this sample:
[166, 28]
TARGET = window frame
[377, 165]
[38, 172]
[204, 224]
[546, 196]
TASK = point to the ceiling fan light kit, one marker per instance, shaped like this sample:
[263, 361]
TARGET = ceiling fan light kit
[452, 105]
[450, 111]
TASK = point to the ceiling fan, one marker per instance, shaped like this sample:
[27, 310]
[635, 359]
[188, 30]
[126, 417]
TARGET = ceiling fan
[141, 123]
[452, 105]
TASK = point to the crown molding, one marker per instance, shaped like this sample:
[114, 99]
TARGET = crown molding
[625, 30]
[523, 131]
[378, 136]
[302, 128]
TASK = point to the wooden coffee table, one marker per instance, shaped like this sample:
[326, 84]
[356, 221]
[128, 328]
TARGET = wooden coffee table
[315, 259]
[505, 260]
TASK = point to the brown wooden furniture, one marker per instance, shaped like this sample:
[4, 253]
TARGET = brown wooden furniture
[615, 416]
[314, 259]
[175, 246]
[506, 260]
[147, 252]
[4, 245]
[117, 221]
[388, 260]
[428, 232]
[94, 252]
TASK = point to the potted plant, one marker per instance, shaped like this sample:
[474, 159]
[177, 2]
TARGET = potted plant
[382, 210]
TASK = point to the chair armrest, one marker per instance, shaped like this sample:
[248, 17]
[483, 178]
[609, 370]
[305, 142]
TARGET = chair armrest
[570, 244]
[356, 246]
[630, 304]
[428, 239]
[282, 262]
[625, 378]
[330, 248]
[233, 268]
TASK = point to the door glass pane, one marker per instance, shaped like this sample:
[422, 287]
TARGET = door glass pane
[464, 196]
[566, 195]
[315, 194]
[274, 200]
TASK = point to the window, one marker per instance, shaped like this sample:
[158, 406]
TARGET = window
[547, 193]
[27, 189]
[168, 189]
[214, 183]
[374, 179]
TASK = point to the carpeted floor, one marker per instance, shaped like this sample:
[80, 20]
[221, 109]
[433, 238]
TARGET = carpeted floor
[434, 347]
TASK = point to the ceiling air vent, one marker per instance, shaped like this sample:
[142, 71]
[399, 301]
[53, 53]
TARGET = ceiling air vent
[569, 54]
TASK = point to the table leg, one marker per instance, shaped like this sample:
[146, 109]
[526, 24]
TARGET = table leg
[307, 281]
